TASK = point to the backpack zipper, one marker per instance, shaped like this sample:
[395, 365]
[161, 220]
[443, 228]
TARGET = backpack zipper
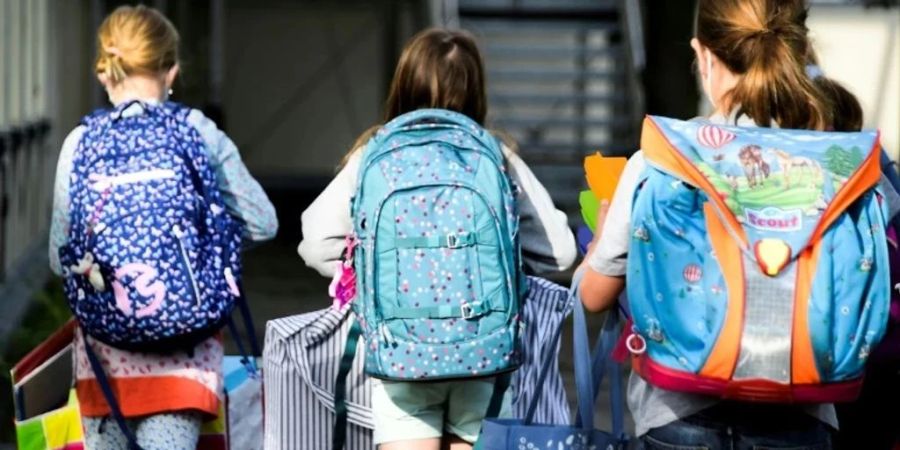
[176, 230]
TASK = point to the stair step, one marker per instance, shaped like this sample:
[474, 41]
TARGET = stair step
[548, 74]
[551, 51]
[556, 154]
[536, 28]
[537, 4]
[544, 10]
[523, 122]
[557, 72]
[566, 98]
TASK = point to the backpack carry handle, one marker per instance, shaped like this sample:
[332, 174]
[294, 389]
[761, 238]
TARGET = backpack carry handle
[435, 116]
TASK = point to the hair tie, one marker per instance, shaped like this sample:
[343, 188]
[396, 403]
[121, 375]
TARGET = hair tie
[814, 72]
[113, 51]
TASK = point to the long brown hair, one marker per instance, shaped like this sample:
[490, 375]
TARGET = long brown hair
[766, 42]
[438, 68]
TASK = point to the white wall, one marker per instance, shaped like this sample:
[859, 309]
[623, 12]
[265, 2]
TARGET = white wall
[861, 49]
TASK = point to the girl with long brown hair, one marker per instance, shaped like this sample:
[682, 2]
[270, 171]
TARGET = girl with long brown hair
[437, 69]
[757, 68]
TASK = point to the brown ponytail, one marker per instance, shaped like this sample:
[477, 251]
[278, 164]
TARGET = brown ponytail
[766, 43]
[848, 114]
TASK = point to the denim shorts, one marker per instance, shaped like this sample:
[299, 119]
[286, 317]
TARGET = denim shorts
[741, 426]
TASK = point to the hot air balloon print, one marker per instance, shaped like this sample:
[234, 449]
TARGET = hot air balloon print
[692, 273]
[713, 136]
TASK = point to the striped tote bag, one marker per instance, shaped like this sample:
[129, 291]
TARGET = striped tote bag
[302, 357]
[546, 306]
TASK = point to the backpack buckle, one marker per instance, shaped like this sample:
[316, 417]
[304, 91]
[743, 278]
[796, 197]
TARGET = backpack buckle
[467, 311]
[452, 241]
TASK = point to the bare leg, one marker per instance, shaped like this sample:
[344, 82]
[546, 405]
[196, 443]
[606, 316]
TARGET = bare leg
[452, 442]
[415, 444]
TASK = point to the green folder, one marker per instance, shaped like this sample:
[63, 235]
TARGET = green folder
[589, 207]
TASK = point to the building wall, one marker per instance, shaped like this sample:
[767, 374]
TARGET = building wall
[303, 80]
[70, 67]
[45, 69]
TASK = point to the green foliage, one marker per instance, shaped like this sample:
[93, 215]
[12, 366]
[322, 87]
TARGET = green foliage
[842, 162]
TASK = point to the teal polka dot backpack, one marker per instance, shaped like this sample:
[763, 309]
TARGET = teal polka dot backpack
[437, 259]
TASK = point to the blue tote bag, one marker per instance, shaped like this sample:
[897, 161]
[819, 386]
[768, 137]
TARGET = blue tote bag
[524, 434]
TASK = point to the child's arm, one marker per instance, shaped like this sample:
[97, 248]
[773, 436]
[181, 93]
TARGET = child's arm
[604, 277]
[59, 220]
[243, 196]
[547, 242]
[326, 222]
[599, 292]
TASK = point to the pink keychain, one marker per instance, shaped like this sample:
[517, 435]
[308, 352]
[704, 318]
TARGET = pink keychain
[343, 285]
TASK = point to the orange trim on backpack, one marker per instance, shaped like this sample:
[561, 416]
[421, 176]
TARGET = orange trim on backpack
[658, 149]
[803, 361]
[722, 360]
[866, 176]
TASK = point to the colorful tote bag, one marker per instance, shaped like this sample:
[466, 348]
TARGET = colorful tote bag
[59, 429]
[244, 400]
[47, 416]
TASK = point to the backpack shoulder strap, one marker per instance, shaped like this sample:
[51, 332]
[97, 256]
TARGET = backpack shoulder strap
[339, 435]
[106, 389]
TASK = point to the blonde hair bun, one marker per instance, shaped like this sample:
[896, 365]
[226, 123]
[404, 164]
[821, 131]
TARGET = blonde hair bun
[135, 39]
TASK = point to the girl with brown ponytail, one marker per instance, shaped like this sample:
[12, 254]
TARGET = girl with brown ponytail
[758, 69]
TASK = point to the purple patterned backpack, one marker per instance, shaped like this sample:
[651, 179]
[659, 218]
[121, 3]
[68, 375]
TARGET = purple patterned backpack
[152, 261]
